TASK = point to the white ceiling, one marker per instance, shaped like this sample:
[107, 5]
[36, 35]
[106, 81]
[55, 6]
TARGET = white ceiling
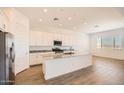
[84, 19]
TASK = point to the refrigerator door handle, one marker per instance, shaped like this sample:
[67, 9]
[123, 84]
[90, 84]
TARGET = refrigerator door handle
[13, 53]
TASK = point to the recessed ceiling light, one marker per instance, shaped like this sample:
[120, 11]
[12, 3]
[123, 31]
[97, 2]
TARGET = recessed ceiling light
[55, 19]
[41, 20]
[85, 23]
[60, 24]
[74, 27]
[45, 10]
[69, 18]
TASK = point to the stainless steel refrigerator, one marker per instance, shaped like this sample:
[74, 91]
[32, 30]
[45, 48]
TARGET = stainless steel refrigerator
[7, 57]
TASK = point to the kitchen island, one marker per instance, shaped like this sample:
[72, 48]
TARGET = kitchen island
[57, 65]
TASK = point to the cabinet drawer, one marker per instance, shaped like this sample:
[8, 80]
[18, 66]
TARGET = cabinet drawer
[39, 59]
[36, 58]
[33, 59]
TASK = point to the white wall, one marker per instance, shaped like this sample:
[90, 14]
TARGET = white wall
[112, 53]
[78, 40]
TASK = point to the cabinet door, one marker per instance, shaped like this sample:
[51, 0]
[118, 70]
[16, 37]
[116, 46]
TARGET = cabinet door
[72, 40]
[66, 40]
[36, 58]
[32, 38]
[51, 39]
[3, 21]
[55, 37]
[33, 59]
[48, 39]
[43, 38]
[37, 38]
[5, 24]
[63, 39]
[39, 58]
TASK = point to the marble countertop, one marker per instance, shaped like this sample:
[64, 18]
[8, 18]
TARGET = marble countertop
[59, 56]
[40, 51]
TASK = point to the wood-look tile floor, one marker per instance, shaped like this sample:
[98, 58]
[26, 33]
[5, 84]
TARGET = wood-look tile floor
[103, 72]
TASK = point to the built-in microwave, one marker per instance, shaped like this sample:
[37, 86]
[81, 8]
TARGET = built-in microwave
[57, 43]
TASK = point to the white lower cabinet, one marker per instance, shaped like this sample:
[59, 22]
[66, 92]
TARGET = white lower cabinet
[32, 59]
[35, 58]
[38, 58]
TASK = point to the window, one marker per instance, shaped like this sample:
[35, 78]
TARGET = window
[117, 42]
[109, 42]
[99, 43]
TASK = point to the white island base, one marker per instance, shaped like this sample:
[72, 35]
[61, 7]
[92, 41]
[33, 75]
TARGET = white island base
[56, 66]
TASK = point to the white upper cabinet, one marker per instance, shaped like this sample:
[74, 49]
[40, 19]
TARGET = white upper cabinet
[55, 37]
[45, 39]
[66, 40]
[42, 38]
[32, 39]
[49, 39]
[38, 38]
[3, 21]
